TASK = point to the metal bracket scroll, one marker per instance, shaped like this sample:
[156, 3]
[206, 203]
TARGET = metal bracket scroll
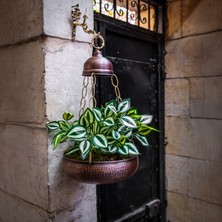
[76, 16]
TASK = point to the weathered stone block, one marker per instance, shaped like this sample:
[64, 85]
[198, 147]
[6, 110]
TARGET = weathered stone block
[63, 76]
[177, 173]
[196, 138]
[20, 20]
[177, 97]
[174, 59]
[21, 85]
[174, 25]
[14, 209]
[58, 22]
[206, 181]
[194, 56]
[200, 16]
[24, 164]
[83, 210]
[183, 209]
[64, 64]
[206, 97]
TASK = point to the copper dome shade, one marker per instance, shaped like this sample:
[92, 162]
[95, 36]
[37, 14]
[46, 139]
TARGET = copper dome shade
[98, 65]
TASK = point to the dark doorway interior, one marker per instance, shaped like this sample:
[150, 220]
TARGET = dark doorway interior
[137, 59]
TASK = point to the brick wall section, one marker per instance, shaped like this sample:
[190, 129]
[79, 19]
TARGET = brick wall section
[194, 111]
[40, 79]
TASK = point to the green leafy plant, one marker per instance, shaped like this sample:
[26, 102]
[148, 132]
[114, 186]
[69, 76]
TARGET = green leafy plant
[109, 130]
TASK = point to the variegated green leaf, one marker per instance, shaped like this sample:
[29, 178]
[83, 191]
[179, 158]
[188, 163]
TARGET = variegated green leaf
[100, 141]
[104, 129]
[112, 103]
[124, 105]
[77, 132]
[131, 111]
[109, 121]
[146, 119]
[122, 139]
[83, 121]
[144, 130]
[124, 150]
[105, 151]
[136, 116]
[128, 121]
[84, 147]
[67, 116]
[97, 113]
[116, 135]
[128, 133]
[142, 140]
[52, 125]
[59, 138]
[121, 128]
[131, 148]
[96, 127]
[112, 149]
[89, 115]
[110, 111]
[71, 151]
[65, 126]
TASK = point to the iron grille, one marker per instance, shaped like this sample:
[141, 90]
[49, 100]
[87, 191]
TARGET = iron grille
[142, 13]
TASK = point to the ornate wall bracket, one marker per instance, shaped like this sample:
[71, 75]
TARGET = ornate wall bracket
[76, 16]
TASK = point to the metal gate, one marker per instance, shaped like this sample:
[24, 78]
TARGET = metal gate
[137, 57]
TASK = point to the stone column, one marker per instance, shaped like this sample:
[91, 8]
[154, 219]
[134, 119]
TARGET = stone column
[194, 111]
[40, 79]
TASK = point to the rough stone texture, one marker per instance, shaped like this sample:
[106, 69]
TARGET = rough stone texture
[22, 85]
[23, 163]
[14, 209]
[201, 16]
[206, 97]
[194, 178]
[173, 19]
[64, 64]
[58, 22]
[63, 75]
[20, 20]
[81, 212]
[194, 56]
[196, 138]
[177, 99]
[206, 181]
[184, 209]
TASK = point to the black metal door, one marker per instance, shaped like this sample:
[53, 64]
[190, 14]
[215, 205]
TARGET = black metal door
[137, 59]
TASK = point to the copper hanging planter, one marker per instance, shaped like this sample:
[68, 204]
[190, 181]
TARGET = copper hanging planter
[100, 172]
[97, 172]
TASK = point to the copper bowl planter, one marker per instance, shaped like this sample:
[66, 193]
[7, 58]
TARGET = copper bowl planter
[100, 172]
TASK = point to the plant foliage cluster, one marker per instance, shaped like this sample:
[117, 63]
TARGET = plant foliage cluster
[111, 129]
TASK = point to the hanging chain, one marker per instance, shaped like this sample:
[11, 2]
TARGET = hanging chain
[115, 83]
[84, 94]
[92, 100]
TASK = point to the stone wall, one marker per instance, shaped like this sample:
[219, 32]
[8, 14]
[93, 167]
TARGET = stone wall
[194, 111]
[40, 79]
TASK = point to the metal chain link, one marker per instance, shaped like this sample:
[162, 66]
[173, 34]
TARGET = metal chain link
[115, 83]
[92, 101]
[84, 94]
